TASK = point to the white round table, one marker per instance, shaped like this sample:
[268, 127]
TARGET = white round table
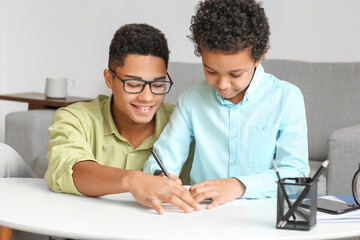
[29, 205]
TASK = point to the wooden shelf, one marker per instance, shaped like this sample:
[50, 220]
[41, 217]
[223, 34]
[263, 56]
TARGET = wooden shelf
[40, 101]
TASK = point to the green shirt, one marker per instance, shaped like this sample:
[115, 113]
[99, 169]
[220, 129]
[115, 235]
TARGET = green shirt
[86, 131]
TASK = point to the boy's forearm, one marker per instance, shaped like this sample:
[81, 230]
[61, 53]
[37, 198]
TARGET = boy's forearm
[94, 179]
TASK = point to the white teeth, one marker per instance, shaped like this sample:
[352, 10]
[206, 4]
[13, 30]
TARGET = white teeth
[143, 108]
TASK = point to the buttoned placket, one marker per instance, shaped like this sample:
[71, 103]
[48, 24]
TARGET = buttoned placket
[130, 162]
[234, 133]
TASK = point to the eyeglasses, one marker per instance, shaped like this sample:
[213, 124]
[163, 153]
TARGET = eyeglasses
[158, 87]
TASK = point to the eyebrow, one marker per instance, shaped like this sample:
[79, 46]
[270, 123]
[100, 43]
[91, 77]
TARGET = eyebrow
[139, 78]
[208, 67]
[232, 71]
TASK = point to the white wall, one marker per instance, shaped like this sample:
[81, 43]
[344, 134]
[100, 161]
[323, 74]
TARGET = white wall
[70, 38]
[314, 30]
[2, 64]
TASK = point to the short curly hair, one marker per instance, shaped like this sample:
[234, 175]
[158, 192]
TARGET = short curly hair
[141, 39]
[230, 26]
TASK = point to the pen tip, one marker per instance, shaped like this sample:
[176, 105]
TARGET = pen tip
[274, 164]
[325, 163]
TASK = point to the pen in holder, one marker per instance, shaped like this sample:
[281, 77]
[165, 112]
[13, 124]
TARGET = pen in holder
[296, 204]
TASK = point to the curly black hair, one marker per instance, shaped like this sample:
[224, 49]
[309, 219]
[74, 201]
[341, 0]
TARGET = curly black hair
[230, 26]
[141, 39]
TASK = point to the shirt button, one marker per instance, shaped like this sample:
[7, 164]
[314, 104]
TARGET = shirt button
[234, 109]
[264, 128]
[233, 163]
[132, 154]
[233, 137]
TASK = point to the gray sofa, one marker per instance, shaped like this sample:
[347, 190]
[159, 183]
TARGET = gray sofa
[332, 100]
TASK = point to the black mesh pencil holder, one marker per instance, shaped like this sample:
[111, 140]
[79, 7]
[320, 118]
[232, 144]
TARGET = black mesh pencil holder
[296, 204]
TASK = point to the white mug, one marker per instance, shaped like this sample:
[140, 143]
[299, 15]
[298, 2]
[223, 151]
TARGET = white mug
[57, 87]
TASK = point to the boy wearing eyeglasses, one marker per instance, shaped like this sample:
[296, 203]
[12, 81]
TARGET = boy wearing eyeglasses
[99, 148]
[241, 118]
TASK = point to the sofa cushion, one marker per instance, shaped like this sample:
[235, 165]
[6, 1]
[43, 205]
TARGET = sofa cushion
[27, 132]
[41, 164]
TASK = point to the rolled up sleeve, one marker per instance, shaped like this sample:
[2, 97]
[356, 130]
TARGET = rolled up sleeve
[68, 146]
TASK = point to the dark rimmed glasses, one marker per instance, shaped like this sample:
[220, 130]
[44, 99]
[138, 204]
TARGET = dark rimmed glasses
[157, 86]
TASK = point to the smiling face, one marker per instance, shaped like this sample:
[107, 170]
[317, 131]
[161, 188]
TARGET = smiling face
[229, 74]
[132, 109]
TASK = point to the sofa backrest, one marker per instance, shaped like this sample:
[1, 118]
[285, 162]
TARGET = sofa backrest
[184, 75]
[331, 92]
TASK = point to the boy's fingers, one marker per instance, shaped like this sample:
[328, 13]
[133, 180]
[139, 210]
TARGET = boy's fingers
[176, 179]
[173, 177]
[176, 201]
[163, 175]
[185, 196]
[201, 197]
[201, 194]
[177, 196]
[214, 204]
[157, 206]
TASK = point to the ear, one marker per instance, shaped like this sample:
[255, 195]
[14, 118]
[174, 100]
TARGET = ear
[108, 78]
[261, 58]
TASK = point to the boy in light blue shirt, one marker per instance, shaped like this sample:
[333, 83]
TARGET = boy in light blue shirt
[241, 118]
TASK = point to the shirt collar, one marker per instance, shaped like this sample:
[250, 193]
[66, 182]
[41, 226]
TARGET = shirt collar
[160, 118]
[257, 78]
[109, 125]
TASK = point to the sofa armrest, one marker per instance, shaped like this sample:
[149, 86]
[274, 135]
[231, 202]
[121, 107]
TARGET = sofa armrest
[27, 133]
[344, 159]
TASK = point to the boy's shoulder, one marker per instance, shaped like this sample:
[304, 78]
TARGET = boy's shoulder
[85, 110]
[94, 105]
[273, 82]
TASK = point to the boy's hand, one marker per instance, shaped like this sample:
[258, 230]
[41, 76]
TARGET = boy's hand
[151, 191]
[219, 191]
[173, 177]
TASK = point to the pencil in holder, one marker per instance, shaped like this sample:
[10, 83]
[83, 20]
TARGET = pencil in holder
[296, 204]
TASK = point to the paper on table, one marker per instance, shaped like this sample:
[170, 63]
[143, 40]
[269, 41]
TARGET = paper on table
[349, 217]
[171, 208]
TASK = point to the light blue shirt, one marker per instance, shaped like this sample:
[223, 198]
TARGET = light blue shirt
[238, 140]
